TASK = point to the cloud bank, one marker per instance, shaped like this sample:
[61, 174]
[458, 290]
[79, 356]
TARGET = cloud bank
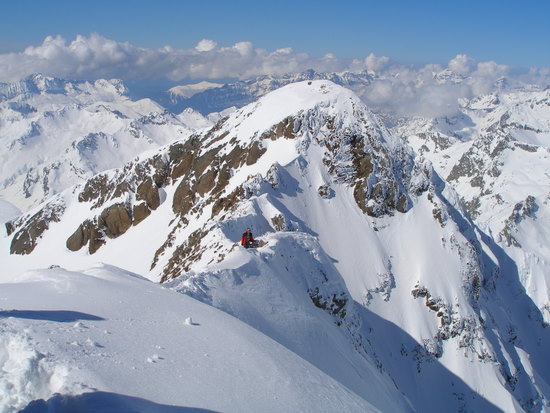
[429, 90]
[95, 57]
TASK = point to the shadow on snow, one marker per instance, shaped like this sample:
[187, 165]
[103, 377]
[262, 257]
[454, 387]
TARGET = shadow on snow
[103, 402]
[61, 316]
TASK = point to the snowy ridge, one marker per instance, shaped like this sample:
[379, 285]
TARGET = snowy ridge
[369, 269]
[187, 91]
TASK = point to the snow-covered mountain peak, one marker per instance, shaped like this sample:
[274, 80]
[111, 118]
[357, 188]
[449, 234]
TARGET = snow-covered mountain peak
[325, 121]
[187, 91]
[296, 98]
[315, 125]
[325, 98]
[241, 93]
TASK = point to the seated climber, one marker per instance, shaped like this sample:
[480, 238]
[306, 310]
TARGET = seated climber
[247, 240]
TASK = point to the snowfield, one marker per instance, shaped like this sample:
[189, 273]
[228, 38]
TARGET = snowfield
[124, 343]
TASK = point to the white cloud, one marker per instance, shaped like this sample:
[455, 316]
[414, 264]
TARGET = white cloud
[95, 56]
[375, 63]
[205, 45]
[244, 48]
[430, 90]
[462, 64]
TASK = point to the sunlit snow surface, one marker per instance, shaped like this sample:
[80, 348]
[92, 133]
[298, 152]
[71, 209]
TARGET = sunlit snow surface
[127, 343]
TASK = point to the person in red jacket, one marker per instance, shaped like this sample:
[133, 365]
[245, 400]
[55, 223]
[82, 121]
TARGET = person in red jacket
[247, 240]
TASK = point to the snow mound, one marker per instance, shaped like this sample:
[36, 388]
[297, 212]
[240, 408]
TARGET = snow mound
[25, 374]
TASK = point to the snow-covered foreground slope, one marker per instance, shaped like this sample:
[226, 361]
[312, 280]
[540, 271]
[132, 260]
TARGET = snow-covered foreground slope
[131, 345]
[368, 268]
[55, 133]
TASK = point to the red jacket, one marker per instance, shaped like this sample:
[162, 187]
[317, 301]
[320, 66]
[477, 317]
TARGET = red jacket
[247, 238]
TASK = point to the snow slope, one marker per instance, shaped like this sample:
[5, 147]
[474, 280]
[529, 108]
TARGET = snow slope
[125, 343]
[8, 211]
[336, 357]
[495, 154]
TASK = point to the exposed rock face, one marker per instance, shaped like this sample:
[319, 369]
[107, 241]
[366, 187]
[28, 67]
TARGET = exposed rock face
[334, 305]
[115, 220]
[80, 237]
[468, 330]
[148, 192]
[278, 222]
[112, 222]
[187, 253]
[140, 212]
[522, 210]
[381, 180]
[30, 228]
[86, 233]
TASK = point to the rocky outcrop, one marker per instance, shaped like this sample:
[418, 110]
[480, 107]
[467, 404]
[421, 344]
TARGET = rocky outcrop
[521, 211]
[147, 191]
[468, 330]
[382, 179]
[187, 253]
[112, 222]
[115, 220]
[86, 233]
[31, 228]
[334, 305]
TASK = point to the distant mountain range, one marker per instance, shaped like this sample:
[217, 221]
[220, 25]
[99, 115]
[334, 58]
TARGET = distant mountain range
[57, 133]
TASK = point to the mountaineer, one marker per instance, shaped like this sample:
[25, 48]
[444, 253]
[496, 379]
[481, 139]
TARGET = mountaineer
[247, 240]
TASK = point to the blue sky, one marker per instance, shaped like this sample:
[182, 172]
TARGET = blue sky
[514, 33]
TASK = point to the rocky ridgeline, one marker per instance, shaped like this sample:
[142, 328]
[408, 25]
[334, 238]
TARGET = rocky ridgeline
[383, 179]
[522, 210]
[481, 164]
[496, 137]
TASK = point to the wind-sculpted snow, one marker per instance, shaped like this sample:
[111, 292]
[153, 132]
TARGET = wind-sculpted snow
[291, 291]
[367, 266]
